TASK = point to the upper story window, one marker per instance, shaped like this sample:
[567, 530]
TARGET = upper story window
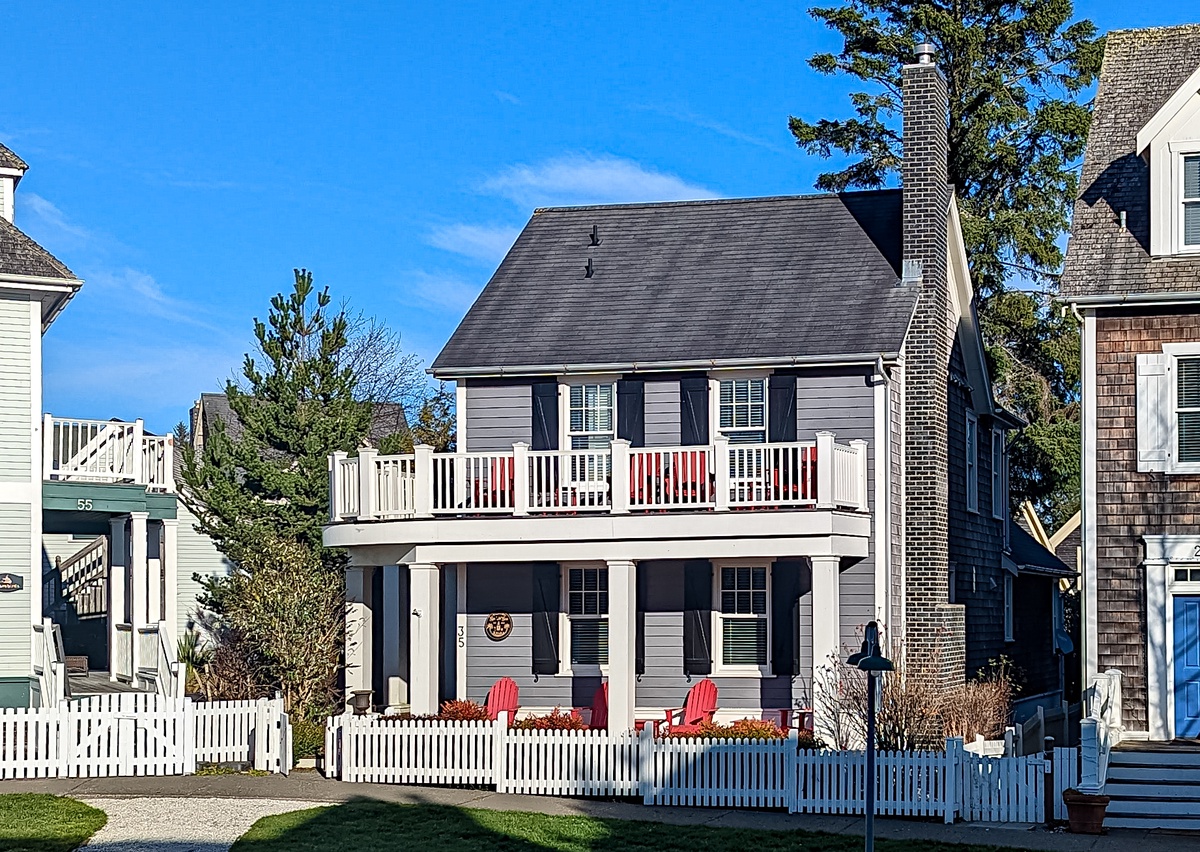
[1168, 409]
[592, 416]
[1191, 201]
[742, 414]
[1187, 409]
[971, 451]
[999, 495]
[1009, 633]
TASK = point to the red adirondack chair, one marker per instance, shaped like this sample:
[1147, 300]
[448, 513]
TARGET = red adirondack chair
[599, 718]
[502, 697]
[699, 707]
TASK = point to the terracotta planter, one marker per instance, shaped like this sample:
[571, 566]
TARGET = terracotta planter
[1085, 812]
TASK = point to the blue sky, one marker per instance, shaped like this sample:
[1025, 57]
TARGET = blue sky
[185, 157]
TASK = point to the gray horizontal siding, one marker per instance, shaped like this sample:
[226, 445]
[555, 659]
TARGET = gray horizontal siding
[197, 555]
[16, 537]
[842, 401]
[16, 380]
[497, 416]
[662, 414]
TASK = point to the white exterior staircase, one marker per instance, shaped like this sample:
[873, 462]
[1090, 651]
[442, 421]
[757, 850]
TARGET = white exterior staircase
[1154, 787]
[83, 579]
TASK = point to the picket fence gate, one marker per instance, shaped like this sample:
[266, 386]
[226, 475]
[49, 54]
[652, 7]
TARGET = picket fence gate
[131, 734]
[689, 772]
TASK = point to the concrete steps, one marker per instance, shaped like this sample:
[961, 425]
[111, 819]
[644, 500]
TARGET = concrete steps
[1155, 788]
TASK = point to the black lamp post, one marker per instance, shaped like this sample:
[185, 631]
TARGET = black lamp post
[871, 661]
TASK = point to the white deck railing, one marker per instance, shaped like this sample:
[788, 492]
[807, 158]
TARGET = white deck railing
[122, 652]
[620, 479]
[106, 451]
[49, 662]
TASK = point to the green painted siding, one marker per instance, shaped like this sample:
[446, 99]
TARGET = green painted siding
[197, 555]
[16, 389]
[15, 556]
[17, 691]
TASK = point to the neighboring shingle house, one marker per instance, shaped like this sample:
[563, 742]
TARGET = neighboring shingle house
[1133, 272]
[699, 439]
[34, 288]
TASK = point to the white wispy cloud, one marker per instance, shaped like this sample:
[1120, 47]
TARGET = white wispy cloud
[590, 179]
[705, 123]
[507, 97]
[444, 293]
[487, 243]
[42, 218]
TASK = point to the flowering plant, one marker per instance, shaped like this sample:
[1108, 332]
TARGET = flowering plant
[556, 720]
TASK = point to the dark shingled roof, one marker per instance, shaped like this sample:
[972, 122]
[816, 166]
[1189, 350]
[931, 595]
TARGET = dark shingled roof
[387, 418]
[754, 278]
[20, 255]
[9, 160]
[1029, 554]
[1142, 69]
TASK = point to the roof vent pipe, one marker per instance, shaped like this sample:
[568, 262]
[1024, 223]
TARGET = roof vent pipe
[925, 53]
[589, 270]
[595, 235]
[1121, 216]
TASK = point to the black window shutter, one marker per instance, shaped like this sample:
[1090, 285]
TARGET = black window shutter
[693, 411]
[631, 411]
[639, 665]
[545, 618]
[544, 396]
[787, 585]
[781, 408]
[697, 617]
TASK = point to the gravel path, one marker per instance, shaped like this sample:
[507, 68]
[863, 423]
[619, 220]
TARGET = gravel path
[181, 825]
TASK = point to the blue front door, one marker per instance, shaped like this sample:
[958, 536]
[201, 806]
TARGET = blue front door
[1187, 666]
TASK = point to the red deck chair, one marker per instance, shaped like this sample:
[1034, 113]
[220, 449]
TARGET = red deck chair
[502, 697]
[699, 707]
[599, 718]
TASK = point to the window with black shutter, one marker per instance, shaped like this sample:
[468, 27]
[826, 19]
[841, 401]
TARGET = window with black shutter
[587, 613]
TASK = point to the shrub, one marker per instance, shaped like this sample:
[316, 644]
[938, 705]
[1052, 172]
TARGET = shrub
[463, 711]
[308, 739]
[556, 720]
[742, 729]
[982, 706]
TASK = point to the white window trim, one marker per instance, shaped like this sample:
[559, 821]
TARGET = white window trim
[714, 398]
[999, 454]
[1177, 351]
[564, 405]
[565, 669]
[718, 641]
[1178, 152]
[971, 466]
[1009, 584]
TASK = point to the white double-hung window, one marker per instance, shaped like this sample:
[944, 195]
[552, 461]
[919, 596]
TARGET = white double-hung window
[742, 633]
[587, 617]
[1190, 198]
[591, 415]
[999, 491]
[971, 451]
[742, 410]
[1168, 409]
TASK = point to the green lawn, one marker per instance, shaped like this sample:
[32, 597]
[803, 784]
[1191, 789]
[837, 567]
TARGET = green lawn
[378, 826]
[36, 822]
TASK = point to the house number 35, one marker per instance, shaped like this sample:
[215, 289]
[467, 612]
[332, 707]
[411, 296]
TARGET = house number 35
[462, 636]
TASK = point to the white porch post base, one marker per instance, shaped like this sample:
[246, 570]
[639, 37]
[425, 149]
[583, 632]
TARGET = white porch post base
[117, 572]
[826, 626]
[425, 597]
[358, 629]
[622, 638]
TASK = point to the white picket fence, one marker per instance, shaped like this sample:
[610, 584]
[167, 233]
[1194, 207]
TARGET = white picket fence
[141, 734]
[690, 772]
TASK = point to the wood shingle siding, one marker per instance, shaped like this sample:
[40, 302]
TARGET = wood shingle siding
[1130, 504]
[16, 400]
[498, 415]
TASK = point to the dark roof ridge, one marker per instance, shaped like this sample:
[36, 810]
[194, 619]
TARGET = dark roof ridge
[1158, 29]
[700, 202]
[10, 160]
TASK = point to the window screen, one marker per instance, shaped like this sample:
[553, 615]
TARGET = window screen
[1187, 397]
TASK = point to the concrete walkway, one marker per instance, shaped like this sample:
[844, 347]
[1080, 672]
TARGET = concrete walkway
[303, 788]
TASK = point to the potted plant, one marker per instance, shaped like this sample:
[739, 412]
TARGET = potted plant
[1085, 811]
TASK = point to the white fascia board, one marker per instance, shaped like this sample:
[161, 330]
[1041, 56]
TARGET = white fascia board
[1113, 300]
[844, 360]
[53, 293]
[1167, 112]
[962, 296]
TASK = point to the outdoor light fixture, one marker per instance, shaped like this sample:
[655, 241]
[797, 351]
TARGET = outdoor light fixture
[361, 699]
[871, 661]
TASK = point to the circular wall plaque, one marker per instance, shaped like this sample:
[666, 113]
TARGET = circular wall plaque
[498, 626]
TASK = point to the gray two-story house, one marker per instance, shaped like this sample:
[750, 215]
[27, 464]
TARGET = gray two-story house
[700, 439]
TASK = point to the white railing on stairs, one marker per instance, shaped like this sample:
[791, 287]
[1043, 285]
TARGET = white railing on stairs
[49, 662]
[83, 579]
[1100, 731]
[618, 479]
[106, 451]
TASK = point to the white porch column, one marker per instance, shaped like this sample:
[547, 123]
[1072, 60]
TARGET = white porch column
[138, 570]
[154, 576]
[170, 560]
[826, 625]
[425, 598]
[118, 570]
[394, 619]
[359, 627]
[622, 639]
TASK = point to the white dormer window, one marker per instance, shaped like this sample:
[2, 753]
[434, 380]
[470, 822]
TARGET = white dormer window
[1190, 219]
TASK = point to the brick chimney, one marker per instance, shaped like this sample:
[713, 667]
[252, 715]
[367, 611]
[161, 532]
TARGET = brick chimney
[12, 169]
[934, 628]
